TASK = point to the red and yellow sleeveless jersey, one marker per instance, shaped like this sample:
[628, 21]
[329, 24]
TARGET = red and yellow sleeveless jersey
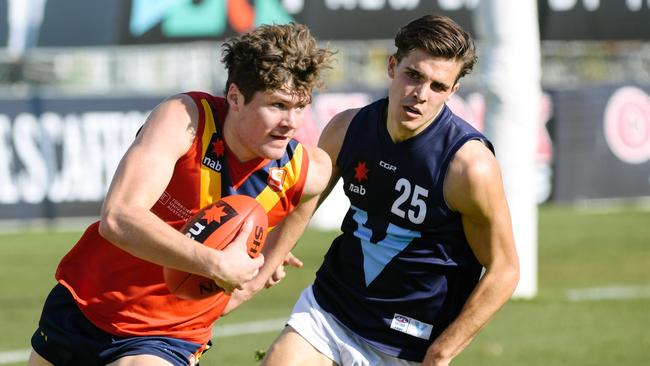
[127, 296]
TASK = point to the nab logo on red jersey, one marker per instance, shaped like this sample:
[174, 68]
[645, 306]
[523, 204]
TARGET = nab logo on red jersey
[214, 153]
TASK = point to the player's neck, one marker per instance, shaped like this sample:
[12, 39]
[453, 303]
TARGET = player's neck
[234, 144]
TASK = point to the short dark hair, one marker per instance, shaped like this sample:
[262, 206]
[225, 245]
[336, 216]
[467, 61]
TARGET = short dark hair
[275, 57]
[440, 37]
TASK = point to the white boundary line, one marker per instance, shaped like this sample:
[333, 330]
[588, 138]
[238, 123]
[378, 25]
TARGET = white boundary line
[254, 327]
[14, 356]
[220, 331]
[612, 205]
[59, 225]
[608, 293]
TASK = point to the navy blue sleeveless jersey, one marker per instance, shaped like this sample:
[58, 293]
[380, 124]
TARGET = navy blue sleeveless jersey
[402, 268]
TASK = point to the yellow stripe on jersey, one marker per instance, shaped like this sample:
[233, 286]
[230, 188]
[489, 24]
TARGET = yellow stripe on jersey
[210, 179]
[268, 198]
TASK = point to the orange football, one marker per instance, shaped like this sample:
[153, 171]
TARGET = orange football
[216, 226]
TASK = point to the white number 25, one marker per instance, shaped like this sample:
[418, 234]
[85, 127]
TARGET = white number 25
[418, 209]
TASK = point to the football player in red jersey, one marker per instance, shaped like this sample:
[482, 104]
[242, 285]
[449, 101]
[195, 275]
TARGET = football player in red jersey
[111, 305]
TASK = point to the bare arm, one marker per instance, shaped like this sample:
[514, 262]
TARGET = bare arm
[474, 188]
[141, 177]
[331, 141]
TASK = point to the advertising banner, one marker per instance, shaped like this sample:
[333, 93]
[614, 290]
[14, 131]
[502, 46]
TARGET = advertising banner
[152, 21]
[602, 143]
[57, 156]
[119, 22]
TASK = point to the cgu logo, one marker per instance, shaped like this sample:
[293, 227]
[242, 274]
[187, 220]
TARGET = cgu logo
[387, 166]
[182, 18]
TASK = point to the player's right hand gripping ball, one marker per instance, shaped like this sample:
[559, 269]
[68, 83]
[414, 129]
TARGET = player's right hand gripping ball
[216, 226]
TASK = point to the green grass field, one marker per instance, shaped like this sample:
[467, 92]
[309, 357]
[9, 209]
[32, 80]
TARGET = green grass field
[577, 250]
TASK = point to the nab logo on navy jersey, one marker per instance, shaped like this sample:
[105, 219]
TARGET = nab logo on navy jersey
[360, 174]
[214, 153]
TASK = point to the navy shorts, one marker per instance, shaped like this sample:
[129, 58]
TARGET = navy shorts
[65, 337]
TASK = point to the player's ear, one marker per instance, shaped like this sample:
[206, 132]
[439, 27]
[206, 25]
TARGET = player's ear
[234, 97]
[454, 89]
[392, 64]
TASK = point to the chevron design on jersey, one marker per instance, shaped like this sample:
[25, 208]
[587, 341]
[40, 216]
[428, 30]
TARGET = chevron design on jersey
[377, 255]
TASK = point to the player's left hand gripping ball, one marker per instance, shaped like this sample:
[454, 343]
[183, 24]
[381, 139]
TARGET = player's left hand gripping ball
[216, 226]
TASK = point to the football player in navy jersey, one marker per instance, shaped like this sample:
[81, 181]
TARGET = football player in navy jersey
[402, 284]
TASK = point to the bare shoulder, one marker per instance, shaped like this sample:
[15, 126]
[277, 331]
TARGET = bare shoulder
[474, 158]
[178, 111]
[320, 169]
[334, 132]
[473, 178]
[167, 134]
[172, 124]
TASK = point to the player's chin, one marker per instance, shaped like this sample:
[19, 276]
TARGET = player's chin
[274, 150]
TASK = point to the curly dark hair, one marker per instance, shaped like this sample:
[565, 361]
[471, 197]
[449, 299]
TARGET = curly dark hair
[275, 57]
[440, 37]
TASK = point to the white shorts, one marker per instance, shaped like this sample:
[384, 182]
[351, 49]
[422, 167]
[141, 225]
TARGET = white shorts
[333, 339]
